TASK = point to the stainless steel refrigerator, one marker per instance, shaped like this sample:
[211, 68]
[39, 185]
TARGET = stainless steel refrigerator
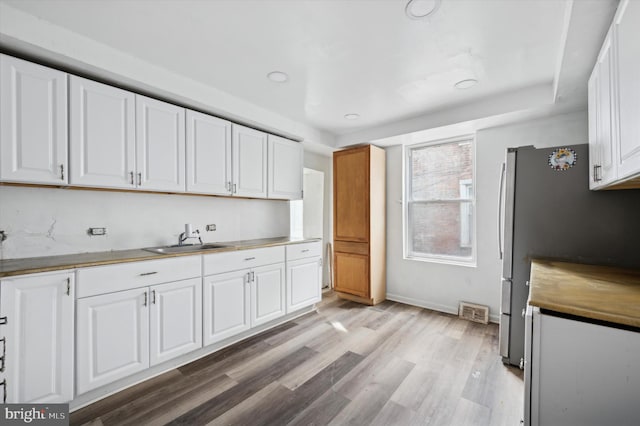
[548, 211]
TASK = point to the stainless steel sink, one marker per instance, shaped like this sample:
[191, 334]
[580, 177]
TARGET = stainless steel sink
[185, 248]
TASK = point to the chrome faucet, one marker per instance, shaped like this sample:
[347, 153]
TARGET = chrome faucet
[188, 233]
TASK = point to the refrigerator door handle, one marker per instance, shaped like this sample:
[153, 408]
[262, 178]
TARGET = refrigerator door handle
[500, 207]
[505, 293]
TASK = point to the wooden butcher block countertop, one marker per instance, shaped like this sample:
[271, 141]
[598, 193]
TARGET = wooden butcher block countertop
[12, 267]
[596, 292]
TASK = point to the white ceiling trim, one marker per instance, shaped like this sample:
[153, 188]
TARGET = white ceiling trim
[25, 33]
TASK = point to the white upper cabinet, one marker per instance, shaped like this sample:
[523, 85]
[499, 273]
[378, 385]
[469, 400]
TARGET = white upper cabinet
[102, 142]
[285, 168]
[249, 162]
[603, 130]
[160, 145]
[614, 104]
[33, 123]
[208, 154]
[38, 337]
[626, 27]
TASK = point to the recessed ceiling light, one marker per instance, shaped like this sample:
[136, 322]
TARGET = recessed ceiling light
[420, 9]
[466, 84]
[352, 116]
[278, 76]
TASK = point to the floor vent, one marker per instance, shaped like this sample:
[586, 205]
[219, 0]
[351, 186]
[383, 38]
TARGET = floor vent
[473, 312]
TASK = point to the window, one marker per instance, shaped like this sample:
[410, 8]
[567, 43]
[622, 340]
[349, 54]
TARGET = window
[440, 202]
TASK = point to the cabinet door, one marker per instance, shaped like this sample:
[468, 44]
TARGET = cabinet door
[606, 124]
[208, 154]
[160, 145]
[175, 324]
[627, 35]
[33, 123]
[304, 282]
[112, 338]
[285, 168]
[267, 293]
[226, 304]
[352, 273]
[102, 137]
[594, 144]
[38, 337]
[351, 194]
[249, 162]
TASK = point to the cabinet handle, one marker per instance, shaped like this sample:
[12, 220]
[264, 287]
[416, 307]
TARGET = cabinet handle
[248, 277]
[305, 250]
[153, 299]
[253, 276]
[68, 286]
[145, 299]
[249, 258]
[320, 262]
[139, 179]
[4, 353]
[62, 171]
[148, 273]
[234, 189]
[521, 363]
[3, 320]
[4, 391]
[524, 312]
[596, 173]
[131, 178]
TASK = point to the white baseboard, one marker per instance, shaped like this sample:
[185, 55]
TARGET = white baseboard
[434, 306]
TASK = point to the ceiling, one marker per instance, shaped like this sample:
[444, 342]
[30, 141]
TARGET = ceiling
[351, 56]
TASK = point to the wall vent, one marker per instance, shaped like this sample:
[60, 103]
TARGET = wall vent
[473, 312]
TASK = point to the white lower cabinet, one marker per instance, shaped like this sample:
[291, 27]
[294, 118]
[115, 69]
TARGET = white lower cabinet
[304, 278]
[112, 337]
[304, 275]
[175, 319]
[267, 293]
[226, 305]
[37, 337]
[132, 316]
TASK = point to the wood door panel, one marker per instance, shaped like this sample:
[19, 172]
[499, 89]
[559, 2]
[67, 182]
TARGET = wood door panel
[351, 194]
[350, 247]
[352, 274]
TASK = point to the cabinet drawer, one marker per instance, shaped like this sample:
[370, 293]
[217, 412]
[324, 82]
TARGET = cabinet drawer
[350, 247]
[242, 259]
[300, 251]
[125, 276]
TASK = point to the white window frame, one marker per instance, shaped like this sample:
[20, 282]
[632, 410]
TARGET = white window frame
[408, 252]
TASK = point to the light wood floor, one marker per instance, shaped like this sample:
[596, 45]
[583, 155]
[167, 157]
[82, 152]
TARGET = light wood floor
[390, 364]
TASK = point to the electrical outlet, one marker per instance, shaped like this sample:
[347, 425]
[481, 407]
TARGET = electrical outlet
[97, 231]
[211, 227]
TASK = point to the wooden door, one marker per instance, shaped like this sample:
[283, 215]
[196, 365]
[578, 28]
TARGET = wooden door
[33, 123]
[208, 154]
[351, 194]
[267, 293]
[249, 162]
[304, 282]
[102, 135]
[112, 338]
[38, 337]
[352, 273]
[226, 305]
[175, 323]
[285, 168]
[160, 145]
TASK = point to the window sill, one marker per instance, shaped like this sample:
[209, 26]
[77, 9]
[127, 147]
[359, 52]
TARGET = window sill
[444, 261]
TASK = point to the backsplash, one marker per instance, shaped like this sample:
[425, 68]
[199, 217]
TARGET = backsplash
[52, 221]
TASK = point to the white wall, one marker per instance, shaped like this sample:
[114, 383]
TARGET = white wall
[324, 164]
[51, 221]
[441, 286]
